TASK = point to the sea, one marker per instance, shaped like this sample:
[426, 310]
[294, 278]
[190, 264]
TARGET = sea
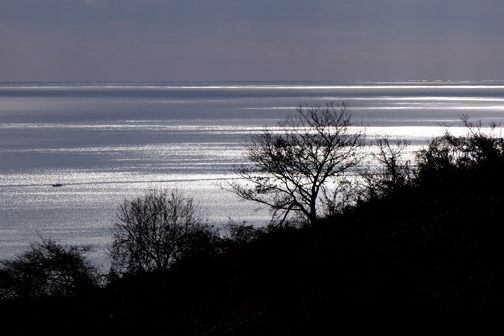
[71, 152]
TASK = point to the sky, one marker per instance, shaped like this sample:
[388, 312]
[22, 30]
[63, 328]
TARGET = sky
[251, 40]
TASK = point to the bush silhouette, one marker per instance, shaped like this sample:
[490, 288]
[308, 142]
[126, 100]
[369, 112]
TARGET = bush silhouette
[480, 149]
[393, 170]
[49, 269]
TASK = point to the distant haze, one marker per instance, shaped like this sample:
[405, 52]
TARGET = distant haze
[212, 40]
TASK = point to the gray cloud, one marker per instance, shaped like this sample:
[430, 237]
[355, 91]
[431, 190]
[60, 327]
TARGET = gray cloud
[250, 40]
[383, 14]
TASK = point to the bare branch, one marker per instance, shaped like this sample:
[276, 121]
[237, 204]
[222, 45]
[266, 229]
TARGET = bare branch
[287, 170]
[152, 231]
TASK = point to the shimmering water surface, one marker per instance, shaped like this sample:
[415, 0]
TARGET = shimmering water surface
[105, 142]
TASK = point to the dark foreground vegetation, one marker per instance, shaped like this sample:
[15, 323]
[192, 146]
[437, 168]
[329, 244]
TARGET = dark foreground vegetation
[419, 252]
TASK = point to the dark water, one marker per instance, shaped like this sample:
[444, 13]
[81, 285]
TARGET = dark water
[108, 141]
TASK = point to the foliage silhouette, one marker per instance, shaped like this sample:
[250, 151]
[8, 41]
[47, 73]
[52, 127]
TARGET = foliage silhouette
[290, 168]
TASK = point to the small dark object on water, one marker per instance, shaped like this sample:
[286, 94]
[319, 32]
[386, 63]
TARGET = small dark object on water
[57, 185]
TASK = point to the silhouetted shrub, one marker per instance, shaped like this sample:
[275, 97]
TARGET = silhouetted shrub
[392, 172]
[48, 269]
[448, 155]
[242, 233]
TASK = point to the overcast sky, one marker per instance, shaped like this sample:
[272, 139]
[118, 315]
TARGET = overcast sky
[212, 40]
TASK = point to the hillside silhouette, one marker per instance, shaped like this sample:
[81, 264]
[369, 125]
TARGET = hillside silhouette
[425, 257]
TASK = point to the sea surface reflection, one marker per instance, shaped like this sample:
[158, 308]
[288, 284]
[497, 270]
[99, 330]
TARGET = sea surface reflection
[105, 142]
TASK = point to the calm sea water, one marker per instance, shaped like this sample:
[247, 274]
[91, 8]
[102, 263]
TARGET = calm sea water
[105, 142]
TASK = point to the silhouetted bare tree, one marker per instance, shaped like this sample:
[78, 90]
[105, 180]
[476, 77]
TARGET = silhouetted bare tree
[291, 167]
[156, 230]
